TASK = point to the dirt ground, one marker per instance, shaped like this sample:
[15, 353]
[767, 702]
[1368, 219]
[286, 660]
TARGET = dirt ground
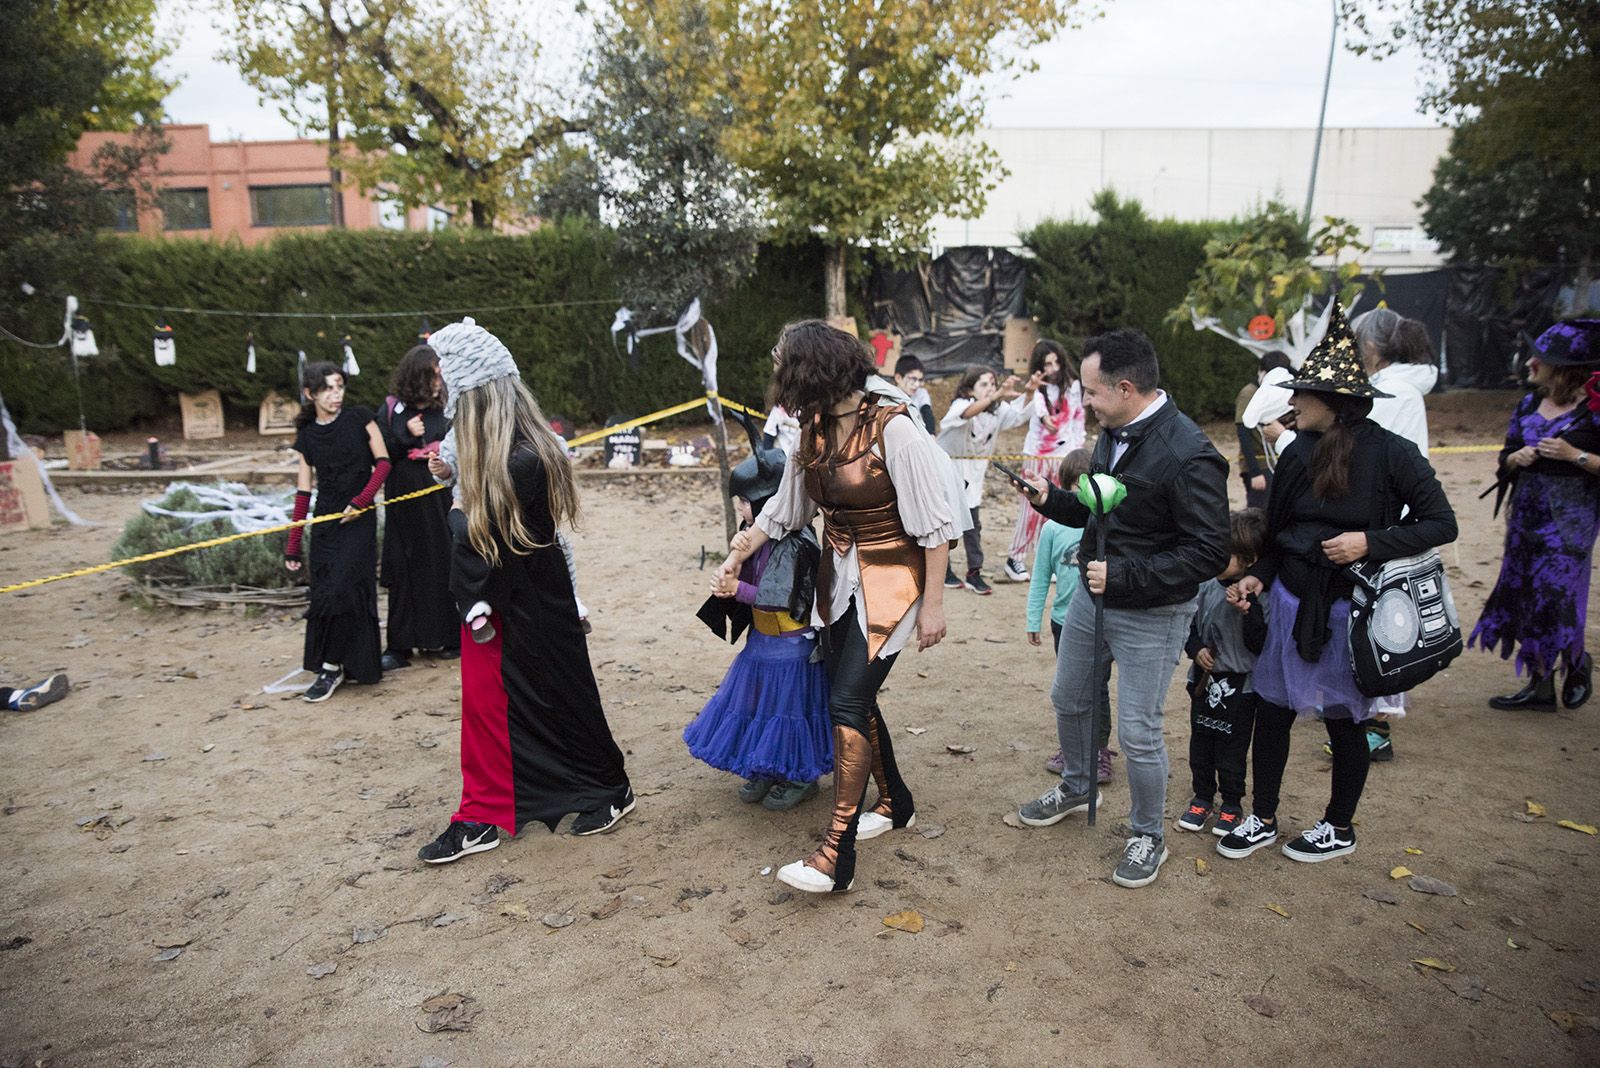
[267, 840]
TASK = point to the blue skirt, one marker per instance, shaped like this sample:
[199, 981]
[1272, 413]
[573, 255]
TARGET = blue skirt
[769, 718]
[1326, 688]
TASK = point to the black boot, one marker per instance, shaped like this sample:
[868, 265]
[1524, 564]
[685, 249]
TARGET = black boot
[1540, 693]
[1579, 683]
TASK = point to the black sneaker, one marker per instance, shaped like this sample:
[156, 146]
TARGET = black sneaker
[1322, 842]
[1229, 819]
[976, 584]
[950, 580]
[1016, 570]
[1248, 837]
[1194, 817]
[394, 662]
[602, 819]
[47, 692]
[322, 689]
[459, 839]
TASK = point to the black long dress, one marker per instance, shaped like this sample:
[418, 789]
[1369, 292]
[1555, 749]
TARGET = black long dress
[416, 540]
[342, 619]
[535, 744]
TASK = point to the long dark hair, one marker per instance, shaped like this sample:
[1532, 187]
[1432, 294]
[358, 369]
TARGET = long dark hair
[818, 365]
[314, 379]
[970, 377]
[414, 383]
[1069, 367]
[1331, 460]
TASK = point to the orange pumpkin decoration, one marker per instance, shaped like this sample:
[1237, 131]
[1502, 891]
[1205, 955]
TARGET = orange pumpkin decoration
[1263, 327]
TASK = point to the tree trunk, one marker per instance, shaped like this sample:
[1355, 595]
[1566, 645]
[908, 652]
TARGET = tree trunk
[482, 218]
[833, 281]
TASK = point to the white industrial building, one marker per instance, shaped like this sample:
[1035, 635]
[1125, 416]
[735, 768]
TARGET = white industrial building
[1371, 176]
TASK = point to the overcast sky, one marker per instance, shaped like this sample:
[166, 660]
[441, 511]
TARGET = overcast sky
[1187, 63]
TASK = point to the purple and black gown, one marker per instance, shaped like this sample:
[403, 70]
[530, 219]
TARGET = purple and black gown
[1541, 599]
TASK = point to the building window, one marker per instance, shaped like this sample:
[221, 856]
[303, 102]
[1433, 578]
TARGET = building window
[124, 211]
[438, 219]
[391, 215]
[1395, 239]
[186, 209]
[291, 205]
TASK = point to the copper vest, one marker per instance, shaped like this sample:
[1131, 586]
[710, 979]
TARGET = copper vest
[859, 507]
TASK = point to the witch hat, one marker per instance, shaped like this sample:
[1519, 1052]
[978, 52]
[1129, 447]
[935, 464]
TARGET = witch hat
[757, 476]
[1334, 365]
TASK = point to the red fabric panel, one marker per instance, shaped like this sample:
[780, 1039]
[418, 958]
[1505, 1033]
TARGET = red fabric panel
[488, 792]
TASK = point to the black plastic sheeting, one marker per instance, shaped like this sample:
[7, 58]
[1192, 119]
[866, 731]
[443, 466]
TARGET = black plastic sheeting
[1482, 325]
[952, 311]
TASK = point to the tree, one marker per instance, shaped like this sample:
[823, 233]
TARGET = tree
[63, 74]
[1531, 210]
[1267, 268]
[858, 117]
[1523, 66]
[426, 102]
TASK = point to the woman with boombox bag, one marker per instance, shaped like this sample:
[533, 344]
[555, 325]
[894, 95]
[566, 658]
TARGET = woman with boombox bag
[1336, 499]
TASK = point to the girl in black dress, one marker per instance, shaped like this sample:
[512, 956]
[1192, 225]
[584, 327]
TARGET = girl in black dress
[535, 744]
[416, 536]
[344, 450]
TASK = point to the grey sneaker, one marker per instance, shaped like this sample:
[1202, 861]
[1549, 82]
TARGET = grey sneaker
[1141, 861]
[786, 795]
[1054, 806]
[754, 790]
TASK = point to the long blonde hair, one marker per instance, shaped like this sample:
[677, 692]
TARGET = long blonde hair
[490, 420]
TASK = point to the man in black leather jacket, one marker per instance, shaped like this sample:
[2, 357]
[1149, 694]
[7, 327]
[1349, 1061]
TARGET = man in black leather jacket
[1168, 536]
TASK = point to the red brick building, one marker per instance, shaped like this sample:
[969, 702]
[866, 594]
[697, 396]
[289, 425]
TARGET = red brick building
[250, 190]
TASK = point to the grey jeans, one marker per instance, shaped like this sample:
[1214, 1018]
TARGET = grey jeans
[1145, 642]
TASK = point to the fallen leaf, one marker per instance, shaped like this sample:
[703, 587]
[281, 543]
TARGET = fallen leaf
[516, 911]
[1427, 884]
[1413, 851]
[1586, 828]
[931, 831]
[1011, 965]
[365, 934]
[445, 919]
[555, 919]
[607, 910]
[961, 750]
[168, 954]
[1573, 1022]
[1400, 872]
[1011, 819]
[1416, 927]
[909, 921]
[916, 730]
[173, 942]
[614, 873]
[802, 1061]
[1263, 1005]
[449, 1012]
[1382, 896]
[1435, 963]
[1279, 909]
[1200, 866]
[208, 747]
[319, 971]
[1469, 987]
[1535, 809]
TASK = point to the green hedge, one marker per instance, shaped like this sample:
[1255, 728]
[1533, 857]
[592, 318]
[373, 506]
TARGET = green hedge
[566, 352]
[1127, 269]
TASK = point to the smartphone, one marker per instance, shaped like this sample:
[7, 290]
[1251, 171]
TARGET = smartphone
[1016, 479]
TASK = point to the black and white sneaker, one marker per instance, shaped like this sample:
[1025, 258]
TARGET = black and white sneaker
[1248, 837]
[459, 839]
[977, 585]
[36, 697]
[950, 580]
[1016, 570]
[326, 682]
[1322, 842]
[1194, 817]
[602, 819]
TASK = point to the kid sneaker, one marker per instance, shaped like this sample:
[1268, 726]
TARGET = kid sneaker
[976, 584]
[950, 580]
[787, 795]
[1248, 837]
[1229, 817]
[1141, 861]
[1016, 570]
[1057, 764]
[459, 839]
[1322, 842]
[327, 681]
[755, 789]
[1195, 816]
[1103, 765]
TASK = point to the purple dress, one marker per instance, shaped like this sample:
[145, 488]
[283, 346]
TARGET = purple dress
[1541, 599]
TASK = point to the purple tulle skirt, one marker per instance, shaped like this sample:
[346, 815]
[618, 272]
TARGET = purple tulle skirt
[1325, 689]
[769, 718]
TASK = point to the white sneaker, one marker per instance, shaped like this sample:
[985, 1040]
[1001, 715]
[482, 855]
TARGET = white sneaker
[872, 824]
[1014, 571]
[802, 877]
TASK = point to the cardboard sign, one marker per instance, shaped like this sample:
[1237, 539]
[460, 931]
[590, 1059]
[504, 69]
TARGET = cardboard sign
[277, 415]
[622, 449]
[83, 450]
[23, 504]
[202, 415]
[1021, 336]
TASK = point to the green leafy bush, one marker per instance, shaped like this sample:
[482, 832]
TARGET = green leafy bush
[246, 562]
